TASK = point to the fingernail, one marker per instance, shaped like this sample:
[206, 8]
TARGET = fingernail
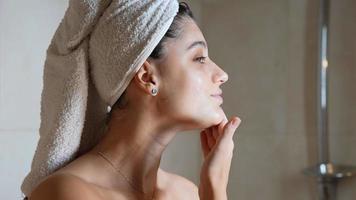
[234, 122]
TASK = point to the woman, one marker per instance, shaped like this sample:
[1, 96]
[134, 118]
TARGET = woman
[176, 89]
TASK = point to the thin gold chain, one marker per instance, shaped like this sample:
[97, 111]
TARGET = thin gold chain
[117, 170]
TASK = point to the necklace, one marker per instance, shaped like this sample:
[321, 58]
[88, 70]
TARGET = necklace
[118, 170]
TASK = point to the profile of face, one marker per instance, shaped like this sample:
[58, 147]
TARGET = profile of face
[187, 79]
[188, 82]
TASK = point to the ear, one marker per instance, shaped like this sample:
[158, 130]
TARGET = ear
[147, 77]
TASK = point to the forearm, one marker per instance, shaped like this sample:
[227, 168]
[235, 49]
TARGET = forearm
[212, 196]
[208, 191]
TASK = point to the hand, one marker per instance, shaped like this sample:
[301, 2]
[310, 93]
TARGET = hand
[217, 145]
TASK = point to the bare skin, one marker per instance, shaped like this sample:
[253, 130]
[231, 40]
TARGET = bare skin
[139, 133]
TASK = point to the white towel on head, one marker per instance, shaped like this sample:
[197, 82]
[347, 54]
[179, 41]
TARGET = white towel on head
[95, 52]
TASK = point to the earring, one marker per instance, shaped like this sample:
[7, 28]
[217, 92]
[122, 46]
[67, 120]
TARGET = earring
[154, 91]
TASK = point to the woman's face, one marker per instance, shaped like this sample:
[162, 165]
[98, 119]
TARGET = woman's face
[188, 81]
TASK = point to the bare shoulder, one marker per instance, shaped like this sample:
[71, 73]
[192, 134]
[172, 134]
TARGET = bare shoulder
[181, 187]
[182, 181]
[63, 187]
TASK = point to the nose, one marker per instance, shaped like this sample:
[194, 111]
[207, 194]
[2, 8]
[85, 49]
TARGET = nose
[220, 76]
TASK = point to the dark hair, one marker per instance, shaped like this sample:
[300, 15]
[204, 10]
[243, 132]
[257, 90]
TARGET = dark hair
[174, 31]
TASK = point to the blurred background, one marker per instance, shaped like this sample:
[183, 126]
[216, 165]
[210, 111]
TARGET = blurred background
[269, 49]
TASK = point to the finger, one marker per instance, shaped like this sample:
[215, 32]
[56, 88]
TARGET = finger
[230, 127]
[222, 124]
[215, 132]
[204, 143]
[210, 137]
[228, 132]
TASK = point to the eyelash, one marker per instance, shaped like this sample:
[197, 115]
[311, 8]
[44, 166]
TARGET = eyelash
[199, 58]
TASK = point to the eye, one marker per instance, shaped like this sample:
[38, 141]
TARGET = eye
[201, 59]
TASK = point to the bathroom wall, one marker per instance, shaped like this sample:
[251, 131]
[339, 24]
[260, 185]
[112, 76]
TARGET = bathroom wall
[343, 90]
[26, 29]
[269, 50]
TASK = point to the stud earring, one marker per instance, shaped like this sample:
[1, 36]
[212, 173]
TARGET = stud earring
[154, 91]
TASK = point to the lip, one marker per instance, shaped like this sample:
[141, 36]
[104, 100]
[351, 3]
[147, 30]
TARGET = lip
[218, 97]
[217, 94]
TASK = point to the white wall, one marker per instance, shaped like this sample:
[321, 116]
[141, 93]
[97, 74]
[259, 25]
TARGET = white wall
[269, 49]
[26, 29]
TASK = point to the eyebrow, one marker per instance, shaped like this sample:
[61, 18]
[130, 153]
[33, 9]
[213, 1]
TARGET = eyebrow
[197, 43]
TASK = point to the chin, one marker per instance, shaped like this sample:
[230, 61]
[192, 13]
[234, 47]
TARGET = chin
[215, 118]
[204, 118]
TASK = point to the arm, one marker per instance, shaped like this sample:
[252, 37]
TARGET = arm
[217, 144]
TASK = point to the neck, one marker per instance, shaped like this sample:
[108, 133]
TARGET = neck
[134, 145]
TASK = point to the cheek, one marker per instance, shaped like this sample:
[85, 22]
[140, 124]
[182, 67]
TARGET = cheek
[198, 104]
[187, 96]
[192, 98]
[197, 91]
[183, 92]
[188, 92]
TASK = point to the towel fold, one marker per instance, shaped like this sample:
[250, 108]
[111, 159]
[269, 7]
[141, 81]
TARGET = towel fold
[96, 50]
